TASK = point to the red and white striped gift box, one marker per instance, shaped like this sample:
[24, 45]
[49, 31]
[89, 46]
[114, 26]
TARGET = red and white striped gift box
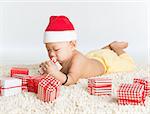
[146, 82]
[131, 94]
[15, 70]
[56, 84]
[52, 91]
[99, 86]
[50, 94]
[10, 86]
[24, 79]
[130, 102]
[43, 84]
[48, 89]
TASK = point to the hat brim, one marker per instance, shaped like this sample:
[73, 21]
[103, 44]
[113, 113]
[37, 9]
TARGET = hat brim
[59, 36]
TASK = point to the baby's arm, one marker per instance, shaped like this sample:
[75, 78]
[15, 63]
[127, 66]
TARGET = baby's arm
[74, 72]
[72, 78]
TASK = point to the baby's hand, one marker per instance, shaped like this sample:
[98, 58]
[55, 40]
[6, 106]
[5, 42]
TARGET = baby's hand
[49, 67]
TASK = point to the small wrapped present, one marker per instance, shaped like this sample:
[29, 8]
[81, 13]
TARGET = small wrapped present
[99, 86]
[15, 70]
[10, 86]
[130, 102]
[53, 59]
[133, 94]
[33, 83]
[146, 82]
[48, 89]
[50, 94]
[24, 79]
[55, 62]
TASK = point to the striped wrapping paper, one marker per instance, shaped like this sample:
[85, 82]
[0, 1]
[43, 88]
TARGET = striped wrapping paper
[133, 94]
[52, 92]
[15, 70]
[48, 89]
[146, 82]
[10, 86]
[99, 86]
[43, 84]
[130, 102]
[24, 79]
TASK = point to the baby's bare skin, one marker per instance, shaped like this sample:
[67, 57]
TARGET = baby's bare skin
[75, 65]
[82, 67]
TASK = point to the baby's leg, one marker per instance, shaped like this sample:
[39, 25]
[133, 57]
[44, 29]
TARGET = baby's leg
[117, 47]
[108, 46]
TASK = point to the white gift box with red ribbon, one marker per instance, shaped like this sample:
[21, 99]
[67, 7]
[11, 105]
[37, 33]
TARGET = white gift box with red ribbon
[48, 89]
[146, 82]
[99, 86]
[24, 79]
[10, 86]
[133, 94]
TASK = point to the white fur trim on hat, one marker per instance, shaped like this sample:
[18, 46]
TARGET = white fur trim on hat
[59, 36]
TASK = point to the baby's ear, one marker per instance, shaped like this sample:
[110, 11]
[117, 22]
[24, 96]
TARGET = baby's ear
[73, 43]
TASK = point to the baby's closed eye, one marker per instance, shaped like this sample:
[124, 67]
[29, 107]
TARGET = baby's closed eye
[48, 50]
[56, 49]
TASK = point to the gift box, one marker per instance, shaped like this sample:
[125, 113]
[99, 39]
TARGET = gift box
[130, 102]
[146, 82]
[33, 83]
[133, 94]
[99, 86]
[52, 59]
[15, 70]
[53, 90]
[50, 94]
[48, 89]
[10, 86]
[24, 79]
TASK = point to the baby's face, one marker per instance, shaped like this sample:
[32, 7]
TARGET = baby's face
[60, 50]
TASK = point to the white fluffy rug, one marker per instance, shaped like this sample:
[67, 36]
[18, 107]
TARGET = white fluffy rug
[74, 99]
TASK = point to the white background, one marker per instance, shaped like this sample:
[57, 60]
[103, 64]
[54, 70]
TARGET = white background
[97, 23]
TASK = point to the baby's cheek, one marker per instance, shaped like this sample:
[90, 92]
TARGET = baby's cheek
[62, 56]
[59, 55]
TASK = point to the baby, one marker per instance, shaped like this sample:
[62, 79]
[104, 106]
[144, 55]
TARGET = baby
[60, 41]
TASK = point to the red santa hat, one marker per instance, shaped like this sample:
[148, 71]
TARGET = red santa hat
[59, 29]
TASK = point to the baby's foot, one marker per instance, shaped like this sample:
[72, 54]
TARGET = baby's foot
[108, 46]
[118, 45]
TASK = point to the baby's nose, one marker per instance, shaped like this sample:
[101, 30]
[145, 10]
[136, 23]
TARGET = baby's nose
[52, 54]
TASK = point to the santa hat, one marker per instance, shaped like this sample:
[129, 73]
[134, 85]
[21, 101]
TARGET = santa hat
[59, 29]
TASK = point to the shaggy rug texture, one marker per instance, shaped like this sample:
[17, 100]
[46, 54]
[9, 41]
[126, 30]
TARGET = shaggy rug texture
[74, 99]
